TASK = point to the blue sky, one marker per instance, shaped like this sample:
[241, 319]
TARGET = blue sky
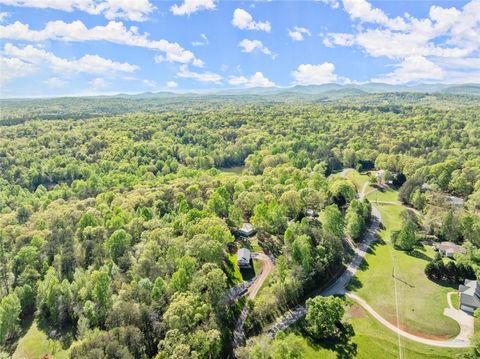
[70, 47]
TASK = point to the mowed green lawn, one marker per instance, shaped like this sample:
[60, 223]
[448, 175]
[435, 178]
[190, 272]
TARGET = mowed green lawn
[387, 195]
[420, 301]
[35, 343]
[359, 180]
[373, 340]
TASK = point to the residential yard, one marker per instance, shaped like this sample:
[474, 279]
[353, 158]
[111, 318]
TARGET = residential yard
[383, 194]
[456, 301]
[373, 340]
[359, 180]
[35, 343]
[420, 301]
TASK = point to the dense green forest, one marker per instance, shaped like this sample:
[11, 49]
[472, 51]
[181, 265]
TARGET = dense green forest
[118, 227]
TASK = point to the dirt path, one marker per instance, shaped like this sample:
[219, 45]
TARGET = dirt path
[266, 269]
[252, 291]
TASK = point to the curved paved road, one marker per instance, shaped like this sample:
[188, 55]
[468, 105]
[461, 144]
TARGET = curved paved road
[466, 322]
[339, 287]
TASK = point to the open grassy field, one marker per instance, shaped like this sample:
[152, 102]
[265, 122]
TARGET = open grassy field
[359, 180]
[420, 301]
[372, 340]
[35, 343]
[387, 195]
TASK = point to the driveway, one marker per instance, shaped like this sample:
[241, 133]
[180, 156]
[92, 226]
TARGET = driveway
[252, 291]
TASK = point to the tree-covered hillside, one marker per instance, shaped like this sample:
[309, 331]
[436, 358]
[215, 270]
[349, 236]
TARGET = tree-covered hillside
[118, 232]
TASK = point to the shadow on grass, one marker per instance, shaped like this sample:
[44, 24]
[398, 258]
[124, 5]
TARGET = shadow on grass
[340, 343]
[445, 284]
[354, 284]
[64, 335]
[417, 254]
[373, 247]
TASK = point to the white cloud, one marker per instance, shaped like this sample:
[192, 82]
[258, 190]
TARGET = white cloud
[172, 84]
[297, 34]
[252, 45]
[206, 76]
[55, 82]
[307, 74]
[332, 3]
[244, 21]
[437, 43]
[201, 43]
[136, 10]
[92, 64]
[414, 68]
[256, 80]
[362, 10]
[339, 39]
[12, 68]
[447, 32]
[3, 16]
[99, 83]
[114, 32]
[190, 6]
[149, 83]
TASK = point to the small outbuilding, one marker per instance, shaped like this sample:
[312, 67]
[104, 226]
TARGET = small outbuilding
[244, 258]
[246, 230]
[469, 295]
[449, 249]
[311, 213]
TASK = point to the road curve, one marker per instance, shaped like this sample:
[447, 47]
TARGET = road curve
[339, 287]
[460, 341]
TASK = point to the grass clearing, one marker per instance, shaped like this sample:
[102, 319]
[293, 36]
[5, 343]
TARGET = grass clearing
[359, 180]
[36, 343]
[383, 194]
[421, 302]
[372, 340]
[455, 300]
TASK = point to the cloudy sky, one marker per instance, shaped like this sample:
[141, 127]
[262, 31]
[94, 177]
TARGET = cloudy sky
[56, 47]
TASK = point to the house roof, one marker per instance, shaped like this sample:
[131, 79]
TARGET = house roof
[243, 254]
[469, 294]
[247, 227]
[451, 247]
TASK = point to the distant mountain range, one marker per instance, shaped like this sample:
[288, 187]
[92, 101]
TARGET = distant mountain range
[327, 89]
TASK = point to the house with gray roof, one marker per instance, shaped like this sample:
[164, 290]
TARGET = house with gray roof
[469, 295]
[449, 249]
[244, 258]
[246, 230]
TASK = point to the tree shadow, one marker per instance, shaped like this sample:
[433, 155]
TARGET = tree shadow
[64, 335]
[363, 265]
[340, 343]
[373, 247]
[417, 254]
[445, 283]
[354, 284]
